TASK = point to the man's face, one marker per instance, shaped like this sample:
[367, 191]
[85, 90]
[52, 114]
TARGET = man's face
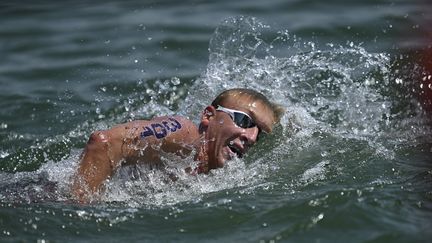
[226, 139]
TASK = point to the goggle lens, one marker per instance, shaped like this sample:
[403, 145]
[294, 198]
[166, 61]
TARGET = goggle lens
[241, 119]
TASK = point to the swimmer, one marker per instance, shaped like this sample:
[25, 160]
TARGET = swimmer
[228, 128]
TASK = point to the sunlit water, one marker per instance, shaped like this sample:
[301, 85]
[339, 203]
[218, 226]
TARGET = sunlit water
[350, 160]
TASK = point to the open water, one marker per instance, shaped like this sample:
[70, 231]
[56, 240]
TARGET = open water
[350, 161]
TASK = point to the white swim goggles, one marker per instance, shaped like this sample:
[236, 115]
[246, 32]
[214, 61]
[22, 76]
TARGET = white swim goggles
[240, 118]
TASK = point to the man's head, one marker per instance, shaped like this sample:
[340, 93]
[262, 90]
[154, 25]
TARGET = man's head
[233, 122]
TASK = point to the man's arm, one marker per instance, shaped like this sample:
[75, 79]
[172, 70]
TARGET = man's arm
[133, 142]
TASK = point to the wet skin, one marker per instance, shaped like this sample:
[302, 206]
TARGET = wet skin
[224, 138]
[218, 139]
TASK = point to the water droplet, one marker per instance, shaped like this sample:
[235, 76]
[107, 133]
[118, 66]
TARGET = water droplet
[3, 154]
[175, 81]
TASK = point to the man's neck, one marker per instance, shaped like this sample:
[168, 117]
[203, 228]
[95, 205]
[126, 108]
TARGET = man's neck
[202, 155]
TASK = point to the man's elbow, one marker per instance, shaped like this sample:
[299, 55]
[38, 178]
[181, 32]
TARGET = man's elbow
[98, 137]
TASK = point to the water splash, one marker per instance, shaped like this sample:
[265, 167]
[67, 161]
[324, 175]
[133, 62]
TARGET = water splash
[339, 99]
[140, 186]
[341, 90]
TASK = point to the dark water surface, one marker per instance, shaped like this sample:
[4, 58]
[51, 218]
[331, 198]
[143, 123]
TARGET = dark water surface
[350, 161]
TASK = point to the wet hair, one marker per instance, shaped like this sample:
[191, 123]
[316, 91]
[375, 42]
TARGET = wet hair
[278, 110]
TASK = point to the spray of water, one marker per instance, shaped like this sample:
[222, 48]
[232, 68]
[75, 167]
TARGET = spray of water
[339, 105]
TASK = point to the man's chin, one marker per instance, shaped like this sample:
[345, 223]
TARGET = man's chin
[221, 162]
[227, 154]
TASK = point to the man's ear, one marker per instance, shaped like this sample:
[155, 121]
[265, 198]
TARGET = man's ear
[207, 114]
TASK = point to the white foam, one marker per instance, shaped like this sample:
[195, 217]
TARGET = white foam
[317, 172]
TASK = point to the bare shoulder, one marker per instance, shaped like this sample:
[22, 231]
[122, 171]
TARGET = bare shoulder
[176, 134]
[177, 127]
[162, 127]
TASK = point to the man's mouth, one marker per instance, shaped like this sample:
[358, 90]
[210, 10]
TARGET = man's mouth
[236, 151]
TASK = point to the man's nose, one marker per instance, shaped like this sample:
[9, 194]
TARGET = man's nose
[251, 135]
